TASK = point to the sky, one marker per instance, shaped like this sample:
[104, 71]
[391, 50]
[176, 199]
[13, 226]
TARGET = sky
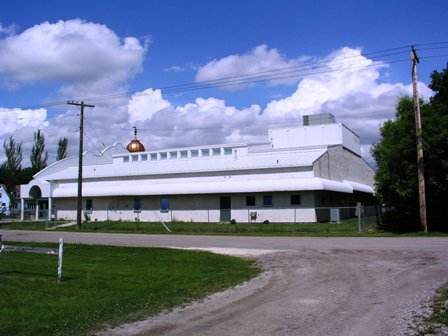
[201, 72]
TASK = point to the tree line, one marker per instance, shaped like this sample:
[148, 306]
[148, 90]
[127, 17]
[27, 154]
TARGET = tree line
[11, 172]
[396, 157]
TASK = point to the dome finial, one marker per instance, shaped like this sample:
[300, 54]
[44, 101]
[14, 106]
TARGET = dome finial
[135, 145]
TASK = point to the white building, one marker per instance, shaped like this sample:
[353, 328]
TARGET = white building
[285, 179]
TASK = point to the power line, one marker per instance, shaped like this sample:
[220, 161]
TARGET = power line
[298, 71]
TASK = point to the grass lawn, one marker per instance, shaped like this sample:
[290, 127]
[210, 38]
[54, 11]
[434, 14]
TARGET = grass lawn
[105, 285]
[348, 228]
[440, 309]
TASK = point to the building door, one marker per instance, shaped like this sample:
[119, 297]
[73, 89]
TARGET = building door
[224, 207]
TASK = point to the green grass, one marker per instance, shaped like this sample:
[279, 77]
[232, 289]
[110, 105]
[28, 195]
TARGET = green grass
[348, 228]
[440, 306]
[105, 285]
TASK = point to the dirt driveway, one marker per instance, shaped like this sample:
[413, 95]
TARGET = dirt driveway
[346, 286]
[337, 292]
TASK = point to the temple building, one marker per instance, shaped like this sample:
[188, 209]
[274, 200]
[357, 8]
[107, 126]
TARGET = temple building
[289, 178]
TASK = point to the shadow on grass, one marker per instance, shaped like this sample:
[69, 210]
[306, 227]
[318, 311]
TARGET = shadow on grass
[34, 274]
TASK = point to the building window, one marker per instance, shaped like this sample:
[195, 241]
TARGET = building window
[144, 157]
[295, 199]
[153, 156]
[216, 151]
[89, 205]
[126, 159]
[163, 156]
[205, 152]
[164, 205]
[268, 201]
[137, 205]
[227, 151]
[134, 158]
[194, 153]
[250, 200]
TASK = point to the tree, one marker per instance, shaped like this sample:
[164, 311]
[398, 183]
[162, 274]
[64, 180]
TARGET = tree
[10, 169]
[62, 149]
[38, 158]
[396, 157]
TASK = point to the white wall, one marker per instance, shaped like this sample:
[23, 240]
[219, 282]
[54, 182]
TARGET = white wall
[315, 135]
[193, 208]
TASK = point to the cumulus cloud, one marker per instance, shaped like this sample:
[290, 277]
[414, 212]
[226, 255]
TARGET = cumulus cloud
[144, 105]
[206, 121]
[261, 59]
[14, 119]
[83, 59]
[350, 89]
[347, 85]
[69, 51]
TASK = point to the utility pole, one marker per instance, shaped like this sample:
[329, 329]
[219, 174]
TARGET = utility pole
[81, 138]
[419, 138]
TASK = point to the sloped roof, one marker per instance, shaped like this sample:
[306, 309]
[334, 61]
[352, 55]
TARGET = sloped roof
[266, 160]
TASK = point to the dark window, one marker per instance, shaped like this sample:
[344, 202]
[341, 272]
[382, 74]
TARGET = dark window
[267, 201]
[250, 200]
[89, 205]
[164, 205]
[295, 199]
[137, 205]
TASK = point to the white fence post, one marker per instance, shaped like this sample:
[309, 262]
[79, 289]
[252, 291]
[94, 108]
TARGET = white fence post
[61, 255]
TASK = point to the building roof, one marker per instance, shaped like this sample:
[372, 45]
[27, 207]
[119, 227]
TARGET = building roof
[263, 160]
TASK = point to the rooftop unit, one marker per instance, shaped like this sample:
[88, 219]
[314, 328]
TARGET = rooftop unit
[318, 119]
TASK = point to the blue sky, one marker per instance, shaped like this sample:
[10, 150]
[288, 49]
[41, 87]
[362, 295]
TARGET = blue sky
[59, 50]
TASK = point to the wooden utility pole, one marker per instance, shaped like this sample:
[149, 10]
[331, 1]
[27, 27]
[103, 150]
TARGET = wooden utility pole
[81, 138]
[419, 138]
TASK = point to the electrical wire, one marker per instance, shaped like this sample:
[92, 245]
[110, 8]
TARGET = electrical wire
[298, 71]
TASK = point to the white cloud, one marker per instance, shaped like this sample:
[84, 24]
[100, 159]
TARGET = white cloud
[260, 59]
[351, 91]
[144, 105]
[70, 51]
[206, 121]
[175, 68]
[14, 119]
[349, 87]
[87, 60]
[8, 30]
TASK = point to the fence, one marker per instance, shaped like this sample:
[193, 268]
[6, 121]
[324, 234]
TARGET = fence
[254, 219]
[40, 250]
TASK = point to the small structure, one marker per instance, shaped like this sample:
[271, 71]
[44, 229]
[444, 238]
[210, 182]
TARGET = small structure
[285, 179]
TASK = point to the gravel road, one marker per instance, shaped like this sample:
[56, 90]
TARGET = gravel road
[311, 286]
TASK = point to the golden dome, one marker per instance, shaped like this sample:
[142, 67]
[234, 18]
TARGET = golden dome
[135, 145]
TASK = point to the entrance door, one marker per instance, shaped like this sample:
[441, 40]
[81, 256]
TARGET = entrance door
[224, 207]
